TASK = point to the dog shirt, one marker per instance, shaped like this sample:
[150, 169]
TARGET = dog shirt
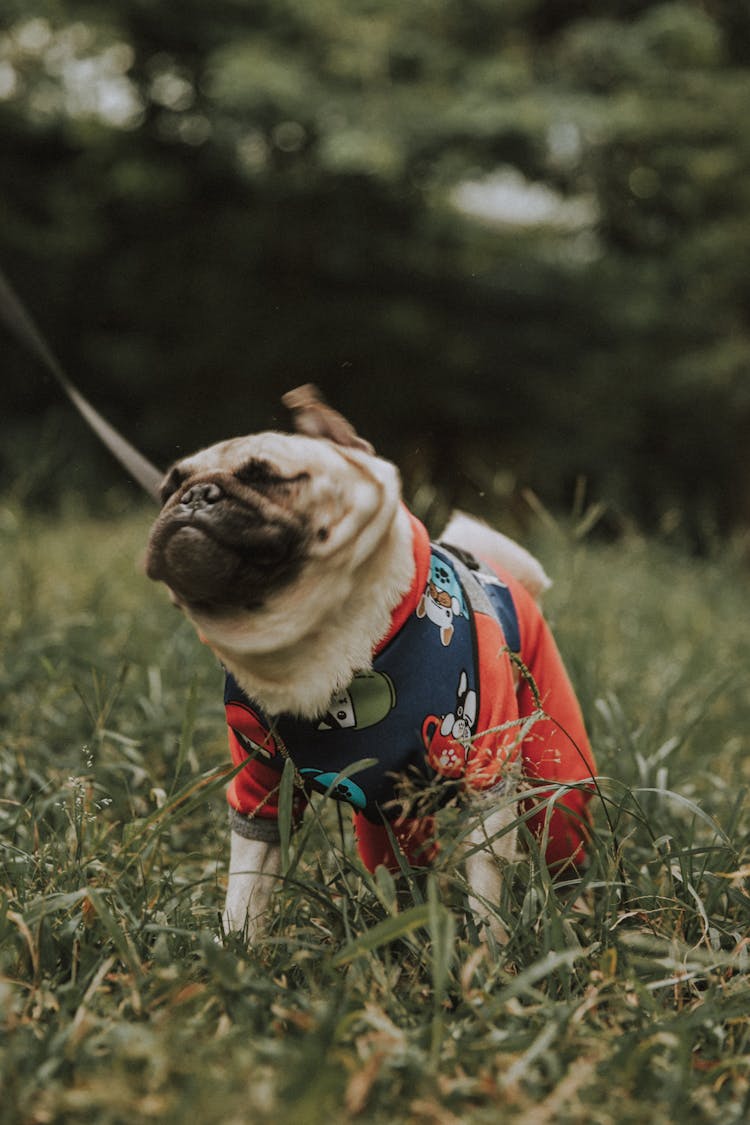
[444, 698]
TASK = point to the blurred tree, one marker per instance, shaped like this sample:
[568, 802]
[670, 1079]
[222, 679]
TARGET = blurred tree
[510, 239]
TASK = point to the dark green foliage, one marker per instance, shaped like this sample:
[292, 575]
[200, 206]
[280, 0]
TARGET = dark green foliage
[271, 200]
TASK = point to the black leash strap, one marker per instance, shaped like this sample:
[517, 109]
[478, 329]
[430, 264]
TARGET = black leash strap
[19, 323]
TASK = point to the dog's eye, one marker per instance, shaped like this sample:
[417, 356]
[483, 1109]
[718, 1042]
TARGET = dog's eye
[261, 474]
[322, 534]
[257, 473]
[171, 483]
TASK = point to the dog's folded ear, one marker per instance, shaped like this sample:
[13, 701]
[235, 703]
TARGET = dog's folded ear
[315, 418]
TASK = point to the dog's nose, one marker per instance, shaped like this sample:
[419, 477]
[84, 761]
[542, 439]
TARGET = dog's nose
[201, 495]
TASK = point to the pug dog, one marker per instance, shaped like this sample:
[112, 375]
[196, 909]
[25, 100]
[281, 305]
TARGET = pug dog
[298, 563]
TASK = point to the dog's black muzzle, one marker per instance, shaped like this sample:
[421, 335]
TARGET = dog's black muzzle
[201, 496]
[219, 550]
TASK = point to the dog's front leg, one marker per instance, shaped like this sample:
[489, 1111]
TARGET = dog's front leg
[254, 866]
[484, 866]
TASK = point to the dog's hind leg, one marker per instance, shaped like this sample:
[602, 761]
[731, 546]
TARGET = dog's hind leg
[254, 867]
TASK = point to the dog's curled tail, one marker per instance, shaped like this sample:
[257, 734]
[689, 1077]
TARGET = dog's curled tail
[497, 549]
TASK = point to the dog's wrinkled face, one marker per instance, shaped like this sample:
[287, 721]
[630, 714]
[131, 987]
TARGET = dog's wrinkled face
[252, 518]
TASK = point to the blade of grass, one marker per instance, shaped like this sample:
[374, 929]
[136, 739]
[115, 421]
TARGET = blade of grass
[286, 809]
[186, 734]
[442, 926]
[385, 932]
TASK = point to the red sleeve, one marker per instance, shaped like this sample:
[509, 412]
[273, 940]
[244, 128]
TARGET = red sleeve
[493, 748]
[557, 747]
[254, 791]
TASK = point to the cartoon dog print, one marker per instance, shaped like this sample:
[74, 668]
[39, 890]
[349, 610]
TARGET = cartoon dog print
[368, 699]
[442, 599]
[446, 739]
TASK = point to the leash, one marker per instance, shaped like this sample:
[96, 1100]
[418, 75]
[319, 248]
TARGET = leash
[20, 324]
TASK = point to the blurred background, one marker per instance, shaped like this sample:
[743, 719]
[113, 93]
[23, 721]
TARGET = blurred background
[510, 239]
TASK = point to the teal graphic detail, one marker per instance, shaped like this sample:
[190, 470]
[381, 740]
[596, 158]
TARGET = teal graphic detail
[344, 788]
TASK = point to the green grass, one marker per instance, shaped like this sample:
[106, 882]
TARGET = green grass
[627, 1002]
